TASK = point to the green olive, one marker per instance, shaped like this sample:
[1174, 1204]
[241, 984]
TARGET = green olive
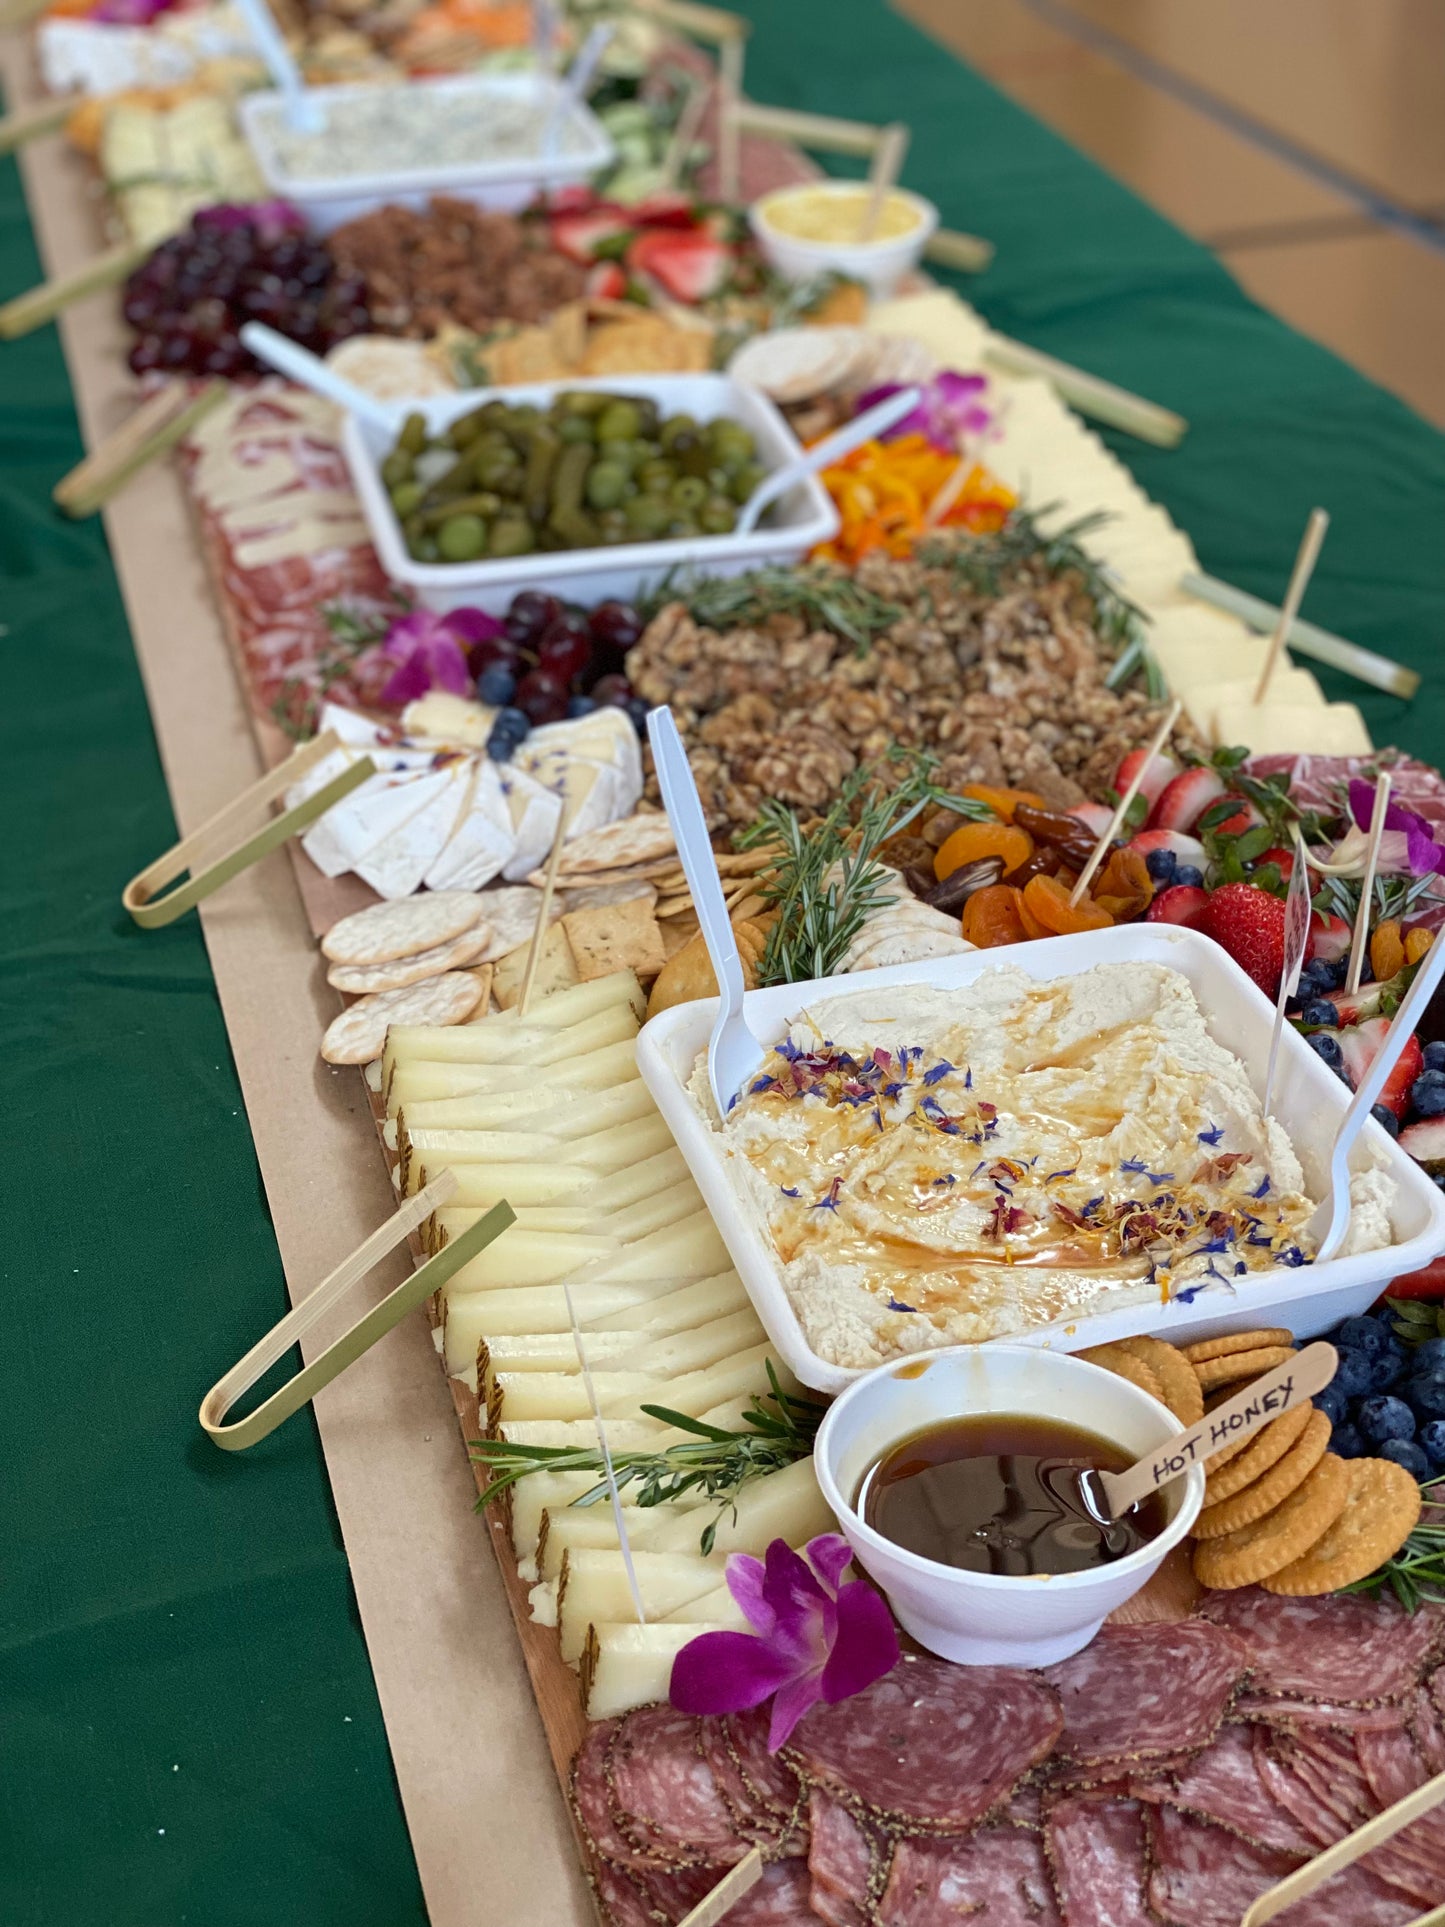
[606, 485]
[688, 493]
[674, 426]
[575, 428]
[746, 480]
[462, 538]
[413, 437]
[511, 535]
[647, 516]
[466, 430]
[657, 477]
[613, 526]
[406, 498]
[396, 468]
[619, 422]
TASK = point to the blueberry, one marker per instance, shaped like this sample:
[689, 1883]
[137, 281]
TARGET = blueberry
[1426, 1393]
[1385, 1118]
[1432, 1440]
[514, 723]
[1427, 1093]
[1346, 1443]
[637, 709]
[1429, 1357]
[1387, 1368]
[1360, 1334]
[1320, 1011]
[1188, 876]
[1333, 1403]
[1385, 1418]
[1161, 865]
[1434, 1056]
[500, 746]
[1327, 1047]
[1405, 1452]
[580, 706]
[1331, 976]
[1316, 978]
[495, 685]
[1355, 1375]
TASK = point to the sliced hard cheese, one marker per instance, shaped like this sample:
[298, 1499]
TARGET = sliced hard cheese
[629, 1665]
[598, 1071]
[635, 1349]
[537, 1037]
[594, 1587]
[529, 1258]
[685, 1251]
[1207, 704]
[589, 1528]
[490, 1113]
[477, 1181]
[1272, 729]
[627, 1221]
[785, 1505]
[697, 1392]
[652, 1305]
[482, 1046]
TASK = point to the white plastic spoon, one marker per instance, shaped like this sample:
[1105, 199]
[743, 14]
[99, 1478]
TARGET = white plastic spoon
[303, 112]
[574, 89]
[876, 420]
[298, 364]
[1332, 1214]
[733, 1053]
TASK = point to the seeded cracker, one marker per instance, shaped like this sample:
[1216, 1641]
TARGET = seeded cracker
[1235, 1365]
[1239, 1465]
[1254, 1341]
[388, 930]
[1174, 1372]
[1270, 1544]
[1381, 1511]
[615, 936]
[359, 1033]
[361, 980]
[1272, 1487]
[1122, 1364]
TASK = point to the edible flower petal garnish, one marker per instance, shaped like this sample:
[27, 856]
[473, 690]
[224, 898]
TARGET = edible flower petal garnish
[430, 652]
[814, 1638]
[1422, 854]
[950, 408]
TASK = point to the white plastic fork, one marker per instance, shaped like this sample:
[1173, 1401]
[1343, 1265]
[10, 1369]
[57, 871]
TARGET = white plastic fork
[733, 1053]
[1331, 1217]
[876, 420]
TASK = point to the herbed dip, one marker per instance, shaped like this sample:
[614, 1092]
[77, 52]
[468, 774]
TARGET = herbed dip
[407, 129]
[934, 1167]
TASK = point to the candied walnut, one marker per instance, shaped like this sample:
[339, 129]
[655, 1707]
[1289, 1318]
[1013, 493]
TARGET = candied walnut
[806, 765]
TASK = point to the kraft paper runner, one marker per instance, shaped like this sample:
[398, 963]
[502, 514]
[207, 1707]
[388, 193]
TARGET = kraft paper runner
[488, 1827]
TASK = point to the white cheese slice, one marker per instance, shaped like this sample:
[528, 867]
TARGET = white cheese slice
[608, 736]
[592, 1112]
[1275, 729]
[535, 813]
[395, 867]
[483, 840]
[598, 1071]
[631, 1665]
[359, 823]
[787, 1504]
[449, 719]
[595, 1585]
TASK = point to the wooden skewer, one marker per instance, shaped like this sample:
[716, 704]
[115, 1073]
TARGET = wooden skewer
[32, 310]
[728, 1891]
[1345, 1852]
[29, 123]
[1157, 742]
[731, 55]
[544, 913]
[149, 432]
[1360, 940]
[684, 134]
[1304, 568]
[887, 165]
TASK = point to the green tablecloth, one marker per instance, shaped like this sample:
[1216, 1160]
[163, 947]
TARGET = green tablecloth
[188, 1726]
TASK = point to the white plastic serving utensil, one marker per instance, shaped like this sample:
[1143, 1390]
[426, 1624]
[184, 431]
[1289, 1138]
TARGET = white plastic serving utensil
[1332, 1215]
[873, 421]
[302, 110]
[733, 1053]
[1107, 1496]
[579, 78]
[298, 364]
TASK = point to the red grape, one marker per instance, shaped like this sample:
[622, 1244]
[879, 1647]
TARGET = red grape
[492, 650]
[616, 626]
[541, 697]
[530, 613]
[611, 692]
[562, 651]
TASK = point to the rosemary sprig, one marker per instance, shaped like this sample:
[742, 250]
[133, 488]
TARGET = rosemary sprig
[1416, 1574]
[1392, 896]
[825, 598]
[779, 1429]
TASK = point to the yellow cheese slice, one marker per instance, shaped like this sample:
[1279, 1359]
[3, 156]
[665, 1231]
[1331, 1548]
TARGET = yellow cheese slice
[1273, 729]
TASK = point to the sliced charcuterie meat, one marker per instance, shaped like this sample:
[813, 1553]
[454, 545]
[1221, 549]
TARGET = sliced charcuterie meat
[780, 1899]
[997, 1877]
[757, 1819]
[1223, 1785]
[930, 1746]
[771, 1781]
[1201, 1876]
[665, 1796]
[629, 1899]
[1098, 1851]
[1302, 1716]
[1427, 1727]
[1146, 1692]
[1342, 1647]
[1415, 1858]
[592, 1796]
[843, 1859]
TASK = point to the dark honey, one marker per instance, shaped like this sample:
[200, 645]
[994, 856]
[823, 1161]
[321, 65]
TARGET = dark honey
[998, 1493]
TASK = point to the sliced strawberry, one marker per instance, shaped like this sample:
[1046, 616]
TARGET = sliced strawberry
[1358, 1006]
[689, 267]
[1097, 816]
[1158, 770]
[1283, 858]
[1185, 798]
[607, 281]
[1186, 849]
[1360, 1045]
[1425, 1141]
[581, 236]
[573, 200]
[666, 210]
[1182, 903]
[1245, 817]
[1249, 924]
[1429, 1281]
[1329, 937]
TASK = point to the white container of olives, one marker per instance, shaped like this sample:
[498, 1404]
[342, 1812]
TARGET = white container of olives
[626, 569]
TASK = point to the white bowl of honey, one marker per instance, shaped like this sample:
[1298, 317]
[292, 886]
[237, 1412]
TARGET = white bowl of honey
[954, 1476]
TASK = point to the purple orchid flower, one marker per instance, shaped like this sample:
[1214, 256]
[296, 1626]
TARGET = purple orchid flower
[815, 1639]
[430, 652]
[949, 411]
[1423, 856]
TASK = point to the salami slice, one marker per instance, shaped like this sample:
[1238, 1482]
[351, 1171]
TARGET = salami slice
[1296, 1795]
[756, 1818]
[1427, 1727]
[842, 1862]
[997, 1877]
[1144, 1692]
[1415, 1859]
[770, 1780]
[1098, 1850]
[930, 1746]
[665, 1796]
[648, 1900]
[592, 1797]
[780, 1899]
[1339, 1646]
[1223, 1785]
[1302, 1716]
[1201, 1877]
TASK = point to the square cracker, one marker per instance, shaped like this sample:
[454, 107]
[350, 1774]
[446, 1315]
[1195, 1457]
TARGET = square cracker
[615, 936]
[556, 969]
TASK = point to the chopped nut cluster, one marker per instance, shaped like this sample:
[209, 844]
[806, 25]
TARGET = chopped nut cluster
[1008, 690]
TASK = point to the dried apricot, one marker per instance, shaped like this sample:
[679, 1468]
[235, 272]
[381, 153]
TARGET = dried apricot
[1417, 942]
[1123, 886]
[1387, 949]
[991, 917]
[1032, 927]
[1048, 901]
[1004, 801]
[972, 840]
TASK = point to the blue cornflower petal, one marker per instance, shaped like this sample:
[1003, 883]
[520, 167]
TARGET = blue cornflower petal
[940, 1070]
[1263, 1190]
[1212, 1135]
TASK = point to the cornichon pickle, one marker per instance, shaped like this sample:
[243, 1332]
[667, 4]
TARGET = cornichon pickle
[483, 504]
[570, 476]
[511, 535]
[543, 449]
[413, 436]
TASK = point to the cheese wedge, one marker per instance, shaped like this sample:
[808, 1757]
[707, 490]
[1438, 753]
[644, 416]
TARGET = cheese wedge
[626, 1221]
[628, 1665]
[787, 1504]
[599, 1070]
[536, 813]
[481, 841]
[594, 1586]
[1208, 704]
[1271, 729]
[692, 1248]
[589, 1112]
[535, 1054]
[589, 1528]
[449, 719]
[653, 1305]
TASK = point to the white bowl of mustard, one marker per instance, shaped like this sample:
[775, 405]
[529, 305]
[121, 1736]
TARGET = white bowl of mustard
[986, 1618]
[811, 229]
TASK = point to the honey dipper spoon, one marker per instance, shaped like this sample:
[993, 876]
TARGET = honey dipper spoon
[1107, 1496]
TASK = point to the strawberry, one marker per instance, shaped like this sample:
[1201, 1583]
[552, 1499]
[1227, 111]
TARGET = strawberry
[689, 267]
[581, 236]
[1282, 858]
[1185, 798]
[572, 200]
[1356, 1006]
[1360, 1045]
[666, 210]
[1158, 770]
[1186, 849]
[607, 281]
[1249, 924]
[1329, 937]
[1245, 817]
[1425, 1141]
[1181, 903]
[1097, 816]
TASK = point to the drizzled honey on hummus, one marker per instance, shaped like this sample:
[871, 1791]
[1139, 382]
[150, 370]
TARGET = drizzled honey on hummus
[938, 1166]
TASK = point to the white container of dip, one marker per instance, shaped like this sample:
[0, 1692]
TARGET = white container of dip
[879, 264]
[583, 147]
[981, 1618]
[1309, 1101]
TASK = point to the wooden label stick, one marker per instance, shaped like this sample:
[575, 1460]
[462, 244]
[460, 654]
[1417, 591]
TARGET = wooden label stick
[1304, 568]
[1345, 1852]
[728, 1891]
[1157, 742]
[1360, 939]
[539, 935]
[887, 166]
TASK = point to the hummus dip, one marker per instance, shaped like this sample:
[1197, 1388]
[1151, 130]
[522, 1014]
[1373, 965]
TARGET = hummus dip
[934, 1167]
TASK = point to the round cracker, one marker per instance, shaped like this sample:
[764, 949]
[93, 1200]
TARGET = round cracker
[1242, 1462]
[1281, 1537]
[1272, 1487]
[1380, 1513]
[511, 910]
[384, 931]
[359, 1033]
[794, 364]
[364, 980]
[1124, 1365]
[1250, 1341]
[1174, 1372]
[1233, 1365]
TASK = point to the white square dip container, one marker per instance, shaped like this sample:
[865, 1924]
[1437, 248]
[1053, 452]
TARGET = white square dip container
[1309, 1102]
[802, 518]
